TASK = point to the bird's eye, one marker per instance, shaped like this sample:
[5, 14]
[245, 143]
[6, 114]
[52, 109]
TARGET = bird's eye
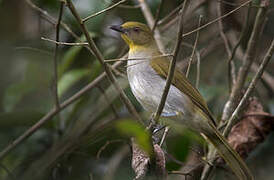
[136, 29]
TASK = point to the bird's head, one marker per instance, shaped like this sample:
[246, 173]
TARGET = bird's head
[135, 33]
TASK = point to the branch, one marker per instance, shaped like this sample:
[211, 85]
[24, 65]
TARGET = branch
[170, 15]
[65, 43]
[94, 50]
[231, 65]
[55, 78]
[140, 59]
[217, 19]
[194, 48]
[171, 66]
[104, 10]
[243, 32]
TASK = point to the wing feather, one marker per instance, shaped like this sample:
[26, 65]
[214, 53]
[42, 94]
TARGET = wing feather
[161, 66]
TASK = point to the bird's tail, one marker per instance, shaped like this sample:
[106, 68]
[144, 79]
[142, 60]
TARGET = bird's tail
[231, 157]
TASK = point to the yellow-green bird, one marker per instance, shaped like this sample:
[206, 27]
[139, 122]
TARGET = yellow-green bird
[184, 103]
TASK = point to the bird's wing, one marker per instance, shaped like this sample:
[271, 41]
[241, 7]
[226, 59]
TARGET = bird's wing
[161, 66]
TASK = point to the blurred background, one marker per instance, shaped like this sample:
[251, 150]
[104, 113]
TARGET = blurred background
[83, 141]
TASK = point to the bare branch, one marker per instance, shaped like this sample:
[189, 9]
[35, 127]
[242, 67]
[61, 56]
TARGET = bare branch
[164, 136]
[170, 15]
[217, 19]
[65, 43]
[231, 72]
[171, 66]
[129, 6]
[104, 10]
[55, 77]
[141, 59]
[198, 70]
[194, 48]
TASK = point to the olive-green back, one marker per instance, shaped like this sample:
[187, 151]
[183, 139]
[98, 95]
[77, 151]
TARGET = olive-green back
[161, 66]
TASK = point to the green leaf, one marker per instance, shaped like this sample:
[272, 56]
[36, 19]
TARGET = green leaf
[131, 128]
[70, 78]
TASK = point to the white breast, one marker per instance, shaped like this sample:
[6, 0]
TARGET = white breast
[147, 86]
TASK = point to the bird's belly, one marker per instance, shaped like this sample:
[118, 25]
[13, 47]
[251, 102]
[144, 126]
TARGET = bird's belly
[147, 87]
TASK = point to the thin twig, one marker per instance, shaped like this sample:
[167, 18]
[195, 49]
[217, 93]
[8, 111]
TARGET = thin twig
[198, 70]
[221, 29]
[180, 173]
[126, 66]
[236, 4]
[194, 48]
[164, 136]
[55, 77]
[169, 22]
[231, 71]
[170, 15]
[65, 43]
[104, 10]
[141, 59]
[52, 113]
[231, 65]
[94, 50]
[150, 20]
[129, 6]
[171, 66]
[250, 88]
[157, 16]
[117, 72]
[217, 19]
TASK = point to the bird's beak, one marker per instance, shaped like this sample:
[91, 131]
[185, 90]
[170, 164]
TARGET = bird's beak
[118, 28]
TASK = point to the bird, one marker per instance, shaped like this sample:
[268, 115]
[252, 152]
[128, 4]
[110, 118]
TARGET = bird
[184, 103]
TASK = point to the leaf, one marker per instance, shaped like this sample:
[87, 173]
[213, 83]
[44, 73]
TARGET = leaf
[131, 128]
[70, 78]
